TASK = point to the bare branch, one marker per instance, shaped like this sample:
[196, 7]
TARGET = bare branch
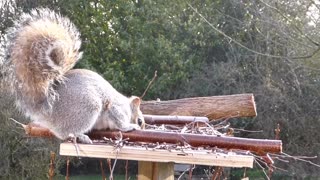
[145, 91]
[288, 19]
[230, 38]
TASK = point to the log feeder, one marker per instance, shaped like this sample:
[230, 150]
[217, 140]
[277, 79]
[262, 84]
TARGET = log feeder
[173, 120]
[258, 146]
[177, 112]
[141, 154]
[214, 107]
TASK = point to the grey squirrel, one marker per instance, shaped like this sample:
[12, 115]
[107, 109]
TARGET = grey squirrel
[41, 49]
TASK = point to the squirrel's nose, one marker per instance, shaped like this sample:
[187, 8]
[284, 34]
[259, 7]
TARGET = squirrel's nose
[140, 121]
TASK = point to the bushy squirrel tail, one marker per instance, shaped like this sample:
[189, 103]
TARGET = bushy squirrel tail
[40, 48]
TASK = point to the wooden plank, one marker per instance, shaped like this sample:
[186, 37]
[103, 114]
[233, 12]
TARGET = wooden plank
[199, 157]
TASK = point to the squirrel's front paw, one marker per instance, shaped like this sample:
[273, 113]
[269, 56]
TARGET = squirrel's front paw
[136, 127]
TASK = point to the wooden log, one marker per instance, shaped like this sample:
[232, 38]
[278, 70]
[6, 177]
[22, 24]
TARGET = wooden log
[214, 107]
[176, 120]
[198, 157]
[259, 146]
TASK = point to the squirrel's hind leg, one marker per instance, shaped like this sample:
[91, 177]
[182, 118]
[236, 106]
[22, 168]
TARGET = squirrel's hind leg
[79, 138]
[82, 138]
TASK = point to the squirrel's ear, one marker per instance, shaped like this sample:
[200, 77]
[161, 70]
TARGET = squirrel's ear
[135, 102]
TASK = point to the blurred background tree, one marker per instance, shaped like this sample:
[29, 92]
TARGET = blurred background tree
[199, 48]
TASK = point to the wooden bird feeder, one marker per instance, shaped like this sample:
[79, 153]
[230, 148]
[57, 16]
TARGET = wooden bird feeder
[200, 149]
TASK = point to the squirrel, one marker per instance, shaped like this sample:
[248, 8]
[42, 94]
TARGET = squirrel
[41, 49]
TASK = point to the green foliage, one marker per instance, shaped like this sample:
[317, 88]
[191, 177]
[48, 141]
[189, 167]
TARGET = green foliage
[21, 157]
[128, 41]
[269, 48]
[95, 177]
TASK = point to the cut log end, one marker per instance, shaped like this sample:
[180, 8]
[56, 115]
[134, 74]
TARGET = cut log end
[37, 131]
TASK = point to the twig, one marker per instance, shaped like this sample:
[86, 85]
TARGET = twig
[23, 125]
[282, 160]
[119, 143]
[73, 138]
[145, 91]
[217, 173]
[51, 169]
[102, 170]
[250, 131]
[277, 132]
[223, 120]
[283, 155]
[263, 170]
[275, 167]
[245, 172]
[114, 165]
[67, 171]
[190, 171]
[109, 163]
[126, 167]
[300, 159]
[270, 171]
[185, 171]
[207, 173]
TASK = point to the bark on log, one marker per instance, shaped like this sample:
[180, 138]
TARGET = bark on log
[176, 120]
[259, 146]
[214, 107]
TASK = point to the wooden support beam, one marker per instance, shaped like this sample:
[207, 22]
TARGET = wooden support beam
[199, 157]
[164, 171]
[145, 170]
[155, 170]
[214, 107]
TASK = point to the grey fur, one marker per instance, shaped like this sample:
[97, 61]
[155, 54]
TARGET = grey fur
[76, 101]
[86, 101]
[8, 68]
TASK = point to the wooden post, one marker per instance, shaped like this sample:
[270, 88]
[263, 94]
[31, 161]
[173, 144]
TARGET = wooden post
[165, 171]
[155, 170]
[145, 170]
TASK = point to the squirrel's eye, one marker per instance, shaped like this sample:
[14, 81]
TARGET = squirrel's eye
[140, 122]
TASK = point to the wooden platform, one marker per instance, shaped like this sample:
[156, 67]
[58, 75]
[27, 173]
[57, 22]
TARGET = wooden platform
[198, 157]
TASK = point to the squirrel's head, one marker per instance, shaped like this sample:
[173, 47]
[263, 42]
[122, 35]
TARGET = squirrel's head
[137, 116]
